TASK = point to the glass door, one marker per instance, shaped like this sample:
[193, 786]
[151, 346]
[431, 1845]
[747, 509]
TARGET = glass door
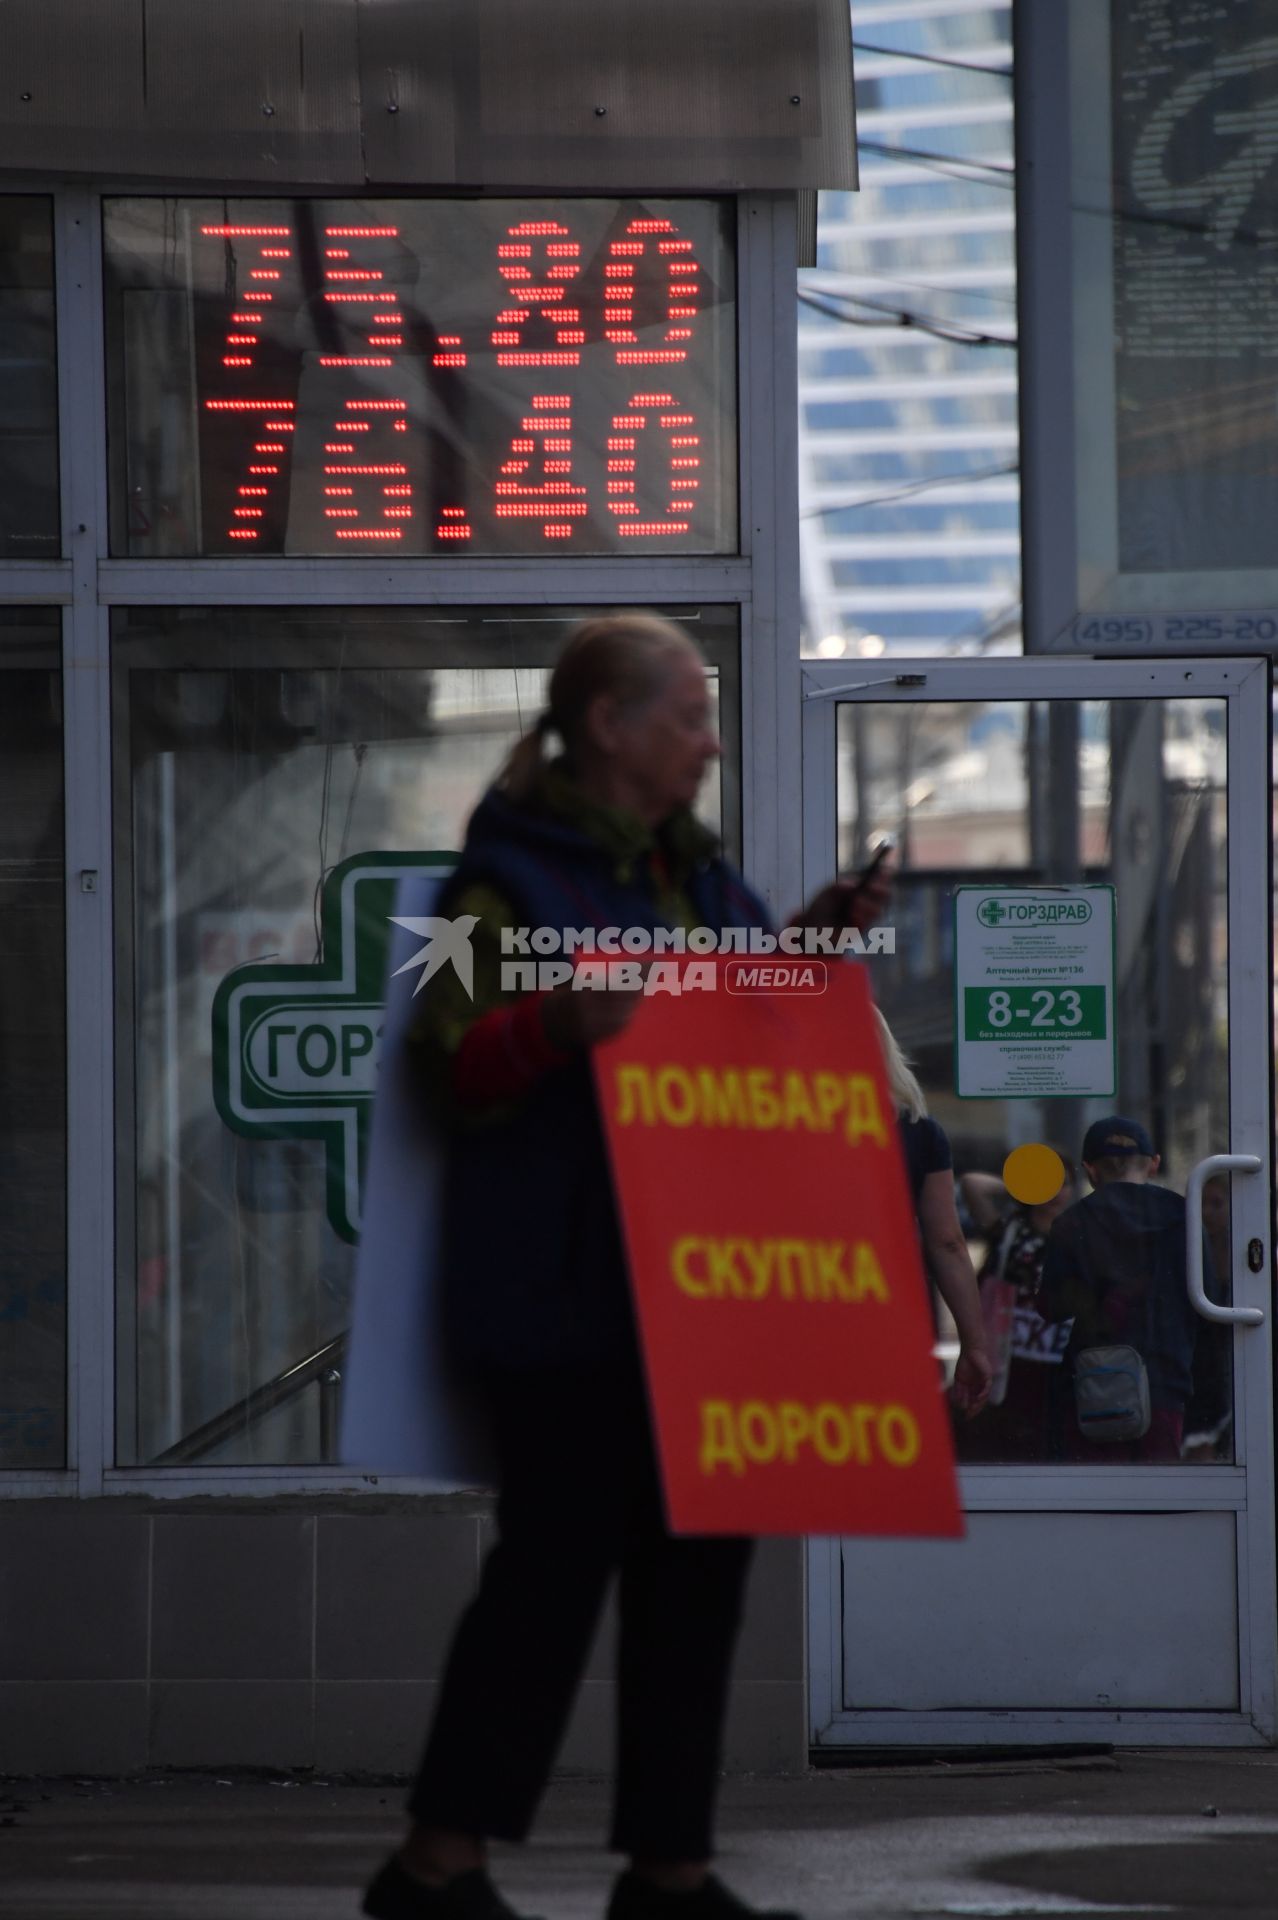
[1079, 968]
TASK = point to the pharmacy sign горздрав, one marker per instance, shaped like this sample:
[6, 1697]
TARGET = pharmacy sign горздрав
[296, 1049]
[1034, 992]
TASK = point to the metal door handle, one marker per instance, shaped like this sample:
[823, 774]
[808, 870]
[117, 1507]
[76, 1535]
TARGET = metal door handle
[1202, 1173]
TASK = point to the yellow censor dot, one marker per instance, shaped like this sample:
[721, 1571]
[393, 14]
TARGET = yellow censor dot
[1033, 1174]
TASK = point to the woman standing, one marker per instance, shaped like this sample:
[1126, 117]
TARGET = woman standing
[538, 1309]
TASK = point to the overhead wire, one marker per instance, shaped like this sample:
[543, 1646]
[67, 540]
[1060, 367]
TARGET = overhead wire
[991, 626]
[1002, 174]
[951, 331]
[931, 59]
[896, 280]
[913, 487]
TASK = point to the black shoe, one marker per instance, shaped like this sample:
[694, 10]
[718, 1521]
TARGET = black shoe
[634, 1898]
[396, 1895]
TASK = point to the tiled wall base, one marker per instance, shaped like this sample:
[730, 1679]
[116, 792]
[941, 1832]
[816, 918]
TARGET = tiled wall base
[296, 1633]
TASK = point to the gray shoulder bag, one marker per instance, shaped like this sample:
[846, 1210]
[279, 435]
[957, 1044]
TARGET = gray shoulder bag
[1111, 1394]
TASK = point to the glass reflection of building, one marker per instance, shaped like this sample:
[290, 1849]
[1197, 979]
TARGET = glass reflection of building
[908, 440]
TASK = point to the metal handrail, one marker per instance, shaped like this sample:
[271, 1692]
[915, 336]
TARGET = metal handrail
[323, 1366]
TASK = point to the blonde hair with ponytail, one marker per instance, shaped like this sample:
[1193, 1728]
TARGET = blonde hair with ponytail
[627, 656]
[907, 1094]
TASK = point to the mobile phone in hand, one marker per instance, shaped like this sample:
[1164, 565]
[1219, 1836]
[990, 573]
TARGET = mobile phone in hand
[886, 846]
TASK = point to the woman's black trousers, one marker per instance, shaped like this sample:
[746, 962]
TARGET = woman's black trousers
[579, 1503]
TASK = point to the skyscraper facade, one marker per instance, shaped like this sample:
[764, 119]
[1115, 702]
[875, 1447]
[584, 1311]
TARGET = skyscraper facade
[907, 356]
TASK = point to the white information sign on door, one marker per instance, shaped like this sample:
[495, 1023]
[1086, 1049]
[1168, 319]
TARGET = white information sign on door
[1034, 992]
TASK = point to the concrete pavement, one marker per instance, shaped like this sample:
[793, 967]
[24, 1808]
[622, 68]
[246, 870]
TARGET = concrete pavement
[1139, 1833]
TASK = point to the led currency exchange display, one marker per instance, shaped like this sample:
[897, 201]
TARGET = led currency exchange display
[337, 377]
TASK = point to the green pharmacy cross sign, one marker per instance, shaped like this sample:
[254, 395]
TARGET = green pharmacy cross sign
[295, 1049]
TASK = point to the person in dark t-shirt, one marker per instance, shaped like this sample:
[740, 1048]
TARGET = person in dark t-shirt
[1115, 1265]
[926, 1147]
[929, 1167]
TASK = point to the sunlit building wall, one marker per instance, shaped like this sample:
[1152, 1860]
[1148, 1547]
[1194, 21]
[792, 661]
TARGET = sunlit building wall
[908, 438]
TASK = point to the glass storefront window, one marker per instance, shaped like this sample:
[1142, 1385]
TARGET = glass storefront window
[32, 1045]
[255, 752]
[29, 522]
[1128, 793]
[1195, 480]
[1169, 337]
[421, 376]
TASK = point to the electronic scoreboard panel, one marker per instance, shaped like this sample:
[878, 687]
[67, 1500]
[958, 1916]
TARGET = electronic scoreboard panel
[421, 376]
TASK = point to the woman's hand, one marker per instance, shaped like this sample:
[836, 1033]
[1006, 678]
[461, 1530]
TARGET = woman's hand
[951, 1268]
[973, 1373]
[574, 1018]
[849, 903]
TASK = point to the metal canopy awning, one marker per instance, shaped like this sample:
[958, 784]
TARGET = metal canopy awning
[525, 95]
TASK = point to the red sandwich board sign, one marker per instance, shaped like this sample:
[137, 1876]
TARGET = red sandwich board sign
[775, 1265]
